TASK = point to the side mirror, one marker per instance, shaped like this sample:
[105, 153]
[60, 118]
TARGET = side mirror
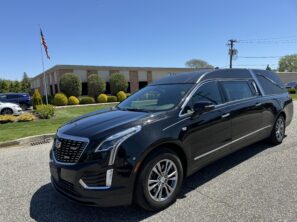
[202, 107]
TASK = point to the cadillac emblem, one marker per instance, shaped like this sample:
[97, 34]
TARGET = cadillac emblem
[58, 144]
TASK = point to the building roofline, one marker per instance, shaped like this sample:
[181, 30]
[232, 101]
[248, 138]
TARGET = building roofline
[60, 66]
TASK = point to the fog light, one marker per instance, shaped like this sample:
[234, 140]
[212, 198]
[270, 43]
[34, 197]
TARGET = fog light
[109, 177]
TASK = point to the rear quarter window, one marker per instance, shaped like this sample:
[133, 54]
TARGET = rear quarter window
[270, 82]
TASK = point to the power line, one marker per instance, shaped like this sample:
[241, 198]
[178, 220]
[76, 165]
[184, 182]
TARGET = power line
[259, 57]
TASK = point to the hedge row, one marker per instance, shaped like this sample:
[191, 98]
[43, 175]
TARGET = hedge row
[61, 99]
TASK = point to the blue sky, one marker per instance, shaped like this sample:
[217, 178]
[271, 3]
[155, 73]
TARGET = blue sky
[141, 32]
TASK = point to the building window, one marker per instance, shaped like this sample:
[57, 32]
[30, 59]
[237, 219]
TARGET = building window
[107, 90]
[142, 84]
[51, 90]
[129, 89]
[84, 90]
[56, 88]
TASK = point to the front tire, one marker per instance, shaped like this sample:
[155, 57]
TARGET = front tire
[7, 111]
[159, 181]
[278, 132]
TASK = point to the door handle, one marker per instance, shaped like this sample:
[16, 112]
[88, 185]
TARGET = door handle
[258, 104]
[225, 115]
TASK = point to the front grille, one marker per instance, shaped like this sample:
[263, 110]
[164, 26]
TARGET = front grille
[68, 151]
[94, 178]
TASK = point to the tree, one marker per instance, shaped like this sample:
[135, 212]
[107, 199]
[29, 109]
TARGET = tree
[268, 68]
[4, 88]
[288, 63]
[96, 85]
[70, 84]
[25, 84]
[118, 83]
[36, 98]
[198, 64]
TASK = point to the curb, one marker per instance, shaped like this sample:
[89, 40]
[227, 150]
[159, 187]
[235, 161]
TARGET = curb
[32, 140]
[82, 105]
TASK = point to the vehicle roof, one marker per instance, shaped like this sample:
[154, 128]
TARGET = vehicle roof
[204, 74]
[13, 93]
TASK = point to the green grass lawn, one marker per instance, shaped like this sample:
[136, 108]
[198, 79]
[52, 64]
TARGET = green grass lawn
[294, 96]
[11, 131]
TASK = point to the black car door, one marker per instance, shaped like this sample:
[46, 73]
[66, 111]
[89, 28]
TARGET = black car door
[207, 134]
[246, 112]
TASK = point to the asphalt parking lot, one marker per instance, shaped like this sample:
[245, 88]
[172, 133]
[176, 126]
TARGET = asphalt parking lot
[258, 183]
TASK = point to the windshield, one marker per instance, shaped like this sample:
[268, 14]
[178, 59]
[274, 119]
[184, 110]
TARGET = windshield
[156, 98]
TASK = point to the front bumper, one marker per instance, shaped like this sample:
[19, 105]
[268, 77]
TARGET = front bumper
[86, 183]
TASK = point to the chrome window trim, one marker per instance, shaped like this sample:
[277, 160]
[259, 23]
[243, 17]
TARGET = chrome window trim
[257, 82]
[234, 141]
[69, 137]
[225, 104]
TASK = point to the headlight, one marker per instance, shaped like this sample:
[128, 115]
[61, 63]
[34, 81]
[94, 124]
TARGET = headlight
[117, 139]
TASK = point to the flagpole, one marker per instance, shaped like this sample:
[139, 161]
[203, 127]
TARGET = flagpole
[44, 76]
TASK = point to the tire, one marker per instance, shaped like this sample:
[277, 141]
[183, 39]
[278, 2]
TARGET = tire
[7, 111]
[164, 187]
[278, 132]
[24, 106]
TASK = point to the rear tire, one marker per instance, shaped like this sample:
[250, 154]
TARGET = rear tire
[159, 181]
[6, 111]
[278, 132]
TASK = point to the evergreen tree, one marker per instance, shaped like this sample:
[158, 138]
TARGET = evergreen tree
[25, 84]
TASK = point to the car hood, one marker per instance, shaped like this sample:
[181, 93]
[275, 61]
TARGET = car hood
[8, 104]
[99, 123]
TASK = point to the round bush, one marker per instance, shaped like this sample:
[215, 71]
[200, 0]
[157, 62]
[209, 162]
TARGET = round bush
[70, 84]
[60, 100]
[128, 94]
[118, 83]
[96, 85]
[102, 98]
[72, 100]
[112, 99]
[87, 100]
[121, 96]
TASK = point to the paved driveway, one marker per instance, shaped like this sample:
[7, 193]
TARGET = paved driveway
[258, 183]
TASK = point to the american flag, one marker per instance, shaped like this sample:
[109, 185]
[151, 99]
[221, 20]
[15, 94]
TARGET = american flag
[43, 42]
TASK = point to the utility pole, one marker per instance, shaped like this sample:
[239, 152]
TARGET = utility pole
[232, 51]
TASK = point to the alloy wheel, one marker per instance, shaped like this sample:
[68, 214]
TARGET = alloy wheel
[162, 180]
[279, 129]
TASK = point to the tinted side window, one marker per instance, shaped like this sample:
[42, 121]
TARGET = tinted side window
[208, 92]
[12, 96]
[269, 86]
[2, 97]
[236, 90]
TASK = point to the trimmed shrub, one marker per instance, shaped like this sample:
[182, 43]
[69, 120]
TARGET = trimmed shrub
[36, 99]
[45, 111]
[112, 99]
[25, 117]
[87, 100]
[121, 96]
[96, 85]
[118, 83]
[102, 98]
[72, 100]
[292, 91]
[7, 118]
[128, 94]
[60, 100]
[70, 84]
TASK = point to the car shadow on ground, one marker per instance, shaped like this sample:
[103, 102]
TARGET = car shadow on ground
[47, 205]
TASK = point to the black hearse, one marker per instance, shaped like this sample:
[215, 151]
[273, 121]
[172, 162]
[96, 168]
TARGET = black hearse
[141, 150]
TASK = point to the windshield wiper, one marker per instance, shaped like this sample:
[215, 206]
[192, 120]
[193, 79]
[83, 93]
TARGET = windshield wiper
[136, 110]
